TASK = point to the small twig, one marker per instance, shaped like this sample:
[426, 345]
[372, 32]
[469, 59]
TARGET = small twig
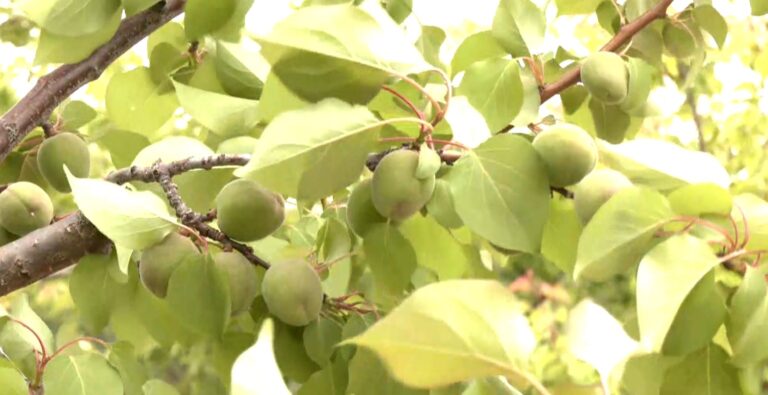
[48, 129]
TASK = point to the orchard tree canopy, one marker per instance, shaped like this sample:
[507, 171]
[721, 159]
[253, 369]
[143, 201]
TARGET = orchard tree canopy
[383, 197]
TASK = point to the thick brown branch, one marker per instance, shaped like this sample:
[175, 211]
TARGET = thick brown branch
[52, 89]
[57, 246]
[622, 37]
[48, 250]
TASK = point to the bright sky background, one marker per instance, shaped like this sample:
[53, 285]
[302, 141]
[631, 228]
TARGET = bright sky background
[458, 17]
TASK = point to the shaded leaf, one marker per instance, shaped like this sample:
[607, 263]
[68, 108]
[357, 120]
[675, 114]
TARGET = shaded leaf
[255, 371]
[519, 26]
[83, 374]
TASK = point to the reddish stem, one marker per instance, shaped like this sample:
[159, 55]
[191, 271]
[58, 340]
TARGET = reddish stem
[43, 350]
[407, 102]
[72, 343]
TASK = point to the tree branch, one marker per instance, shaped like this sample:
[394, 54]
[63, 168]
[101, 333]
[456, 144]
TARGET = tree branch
[57, 246]
[55, 87]
[622, 37]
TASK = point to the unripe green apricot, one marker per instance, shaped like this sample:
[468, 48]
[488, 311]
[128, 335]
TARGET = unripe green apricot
[241, 277]
[361, 213]
[293, 292]
[246, 211]
[59, 150]
[605, 76]
[159, 261]
[395, 190]
[569, 153]
[595, 189]
[24, 207]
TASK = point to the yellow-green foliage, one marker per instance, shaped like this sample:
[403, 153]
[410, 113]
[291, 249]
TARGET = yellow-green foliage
[159, 261]
[247, 211]
[59, 150]
[293, 292]
[361, 213]
[595, 189]
[605, 76]
[569, 152]
[241, 277]
[24, 207]
[396, 191]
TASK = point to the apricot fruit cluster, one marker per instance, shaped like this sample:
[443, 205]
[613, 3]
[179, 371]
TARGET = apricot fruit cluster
[293, 292]
[24, 207]
[241, 279]
[159, 261]
[396, 192]
[568, 151]
[605, 76]
[63, 149]
[595, 189]
[246, 211]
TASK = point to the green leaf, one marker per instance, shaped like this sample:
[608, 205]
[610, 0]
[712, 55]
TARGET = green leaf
[643, 374]
[11, 380]
[475, 48]
[54, 48]
[331, 380]
[429, 162]
[665, 278]
[83, 374]
[338, 51]
[712, 22]
[276, 99]
[313, 152]
[596, 337]
[292, 358]
[123, 146]
[519, 26]
[484, 335]
[494, 88]
[93, 289]
[198, 188]
[135, 103]
[747, 321]
[255, 371]
[759, 7]
[202, 17]
[135, 220]
[390, 256]
[429, 43]
[320, 337]
[71, 18]
[620, 233]
[198, 296]
[610, 122]
[171, 33]
[133, 7]
[662, 165]
[225, 115]
[76, 114]
[706, 371]
[436, 248]
[640, 81]
[159, 320]
[570, 7]
[19, 343]
[236, 69]
[495, 385]
[531, 97]
[369, 376]
[560, 240]
[132, 373]
[158, 387]
[756, 222]
[501, 192]
[699, 199]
